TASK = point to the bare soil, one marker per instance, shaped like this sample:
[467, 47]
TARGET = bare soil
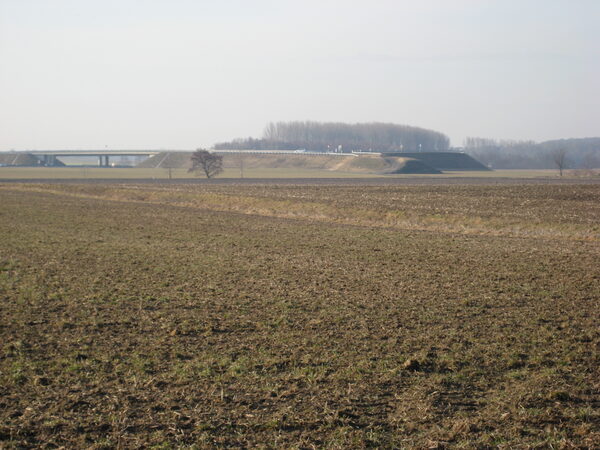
[299, 316]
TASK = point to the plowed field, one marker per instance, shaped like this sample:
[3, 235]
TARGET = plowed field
[299, 316]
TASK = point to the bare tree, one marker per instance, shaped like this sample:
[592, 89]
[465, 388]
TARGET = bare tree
[560, 160]
[241, 158]
[209, 163]
[169, 162]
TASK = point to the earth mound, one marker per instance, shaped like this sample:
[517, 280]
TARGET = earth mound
[375, 164]
[18, 159]
[165, 160]
[444, 160]
[384, 165]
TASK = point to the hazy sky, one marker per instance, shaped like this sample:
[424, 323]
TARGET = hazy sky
[189, 73]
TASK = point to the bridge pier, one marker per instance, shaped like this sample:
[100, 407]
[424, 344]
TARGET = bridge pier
[103, 161]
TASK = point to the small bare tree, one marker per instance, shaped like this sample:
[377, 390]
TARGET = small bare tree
[240, 159]
[560, 160]
[209, 163]
[169, 163]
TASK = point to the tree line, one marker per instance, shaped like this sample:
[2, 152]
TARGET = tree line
[506, 154]
[337, 136]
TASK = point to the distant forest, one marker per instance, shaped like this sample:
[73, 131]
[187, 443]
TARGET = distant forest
[497, 154]
[330, 136]
[388, 137]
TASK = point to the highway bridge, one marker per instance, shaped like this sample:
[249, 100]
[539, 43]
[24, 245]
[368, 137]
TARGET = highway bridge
[49, 157]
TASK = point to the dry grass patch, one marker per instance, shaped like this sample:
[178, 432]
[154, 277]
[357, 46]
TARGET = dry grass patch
[566, 212]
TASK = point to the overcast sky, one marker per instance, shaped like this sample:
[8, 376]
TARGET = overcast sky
[189, 73]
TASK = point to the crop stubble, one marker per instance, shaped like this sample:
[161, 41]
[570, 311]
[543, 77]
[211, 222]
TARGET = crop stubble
[154, 320]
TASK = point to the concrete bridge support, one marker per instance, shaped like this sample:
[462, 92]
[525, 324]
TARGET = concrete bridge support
[103, 161]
